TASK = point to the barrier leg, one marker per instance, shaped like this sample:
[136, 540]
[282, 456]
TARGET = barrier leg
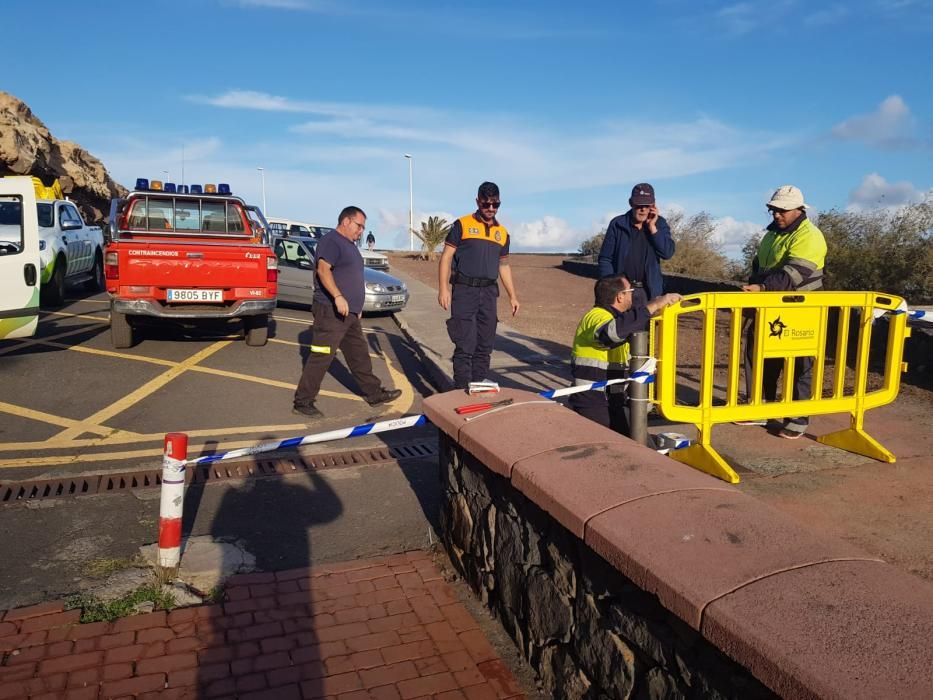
[170, 506]
[637, 392]
[854, 439]
[706, 459]
[701, 455]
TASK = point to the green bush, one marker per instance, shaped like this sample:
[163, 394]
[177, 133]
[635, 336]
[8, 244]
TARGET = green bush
[696, 253]
[881, 251]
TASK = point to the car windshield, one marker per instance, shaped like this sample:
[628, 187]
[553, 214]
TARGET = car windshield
[320, 231]
[187, 215]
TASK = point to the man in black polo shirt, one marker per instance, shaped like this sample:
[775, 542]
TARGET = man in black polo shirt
[337, 305]
[476, 255]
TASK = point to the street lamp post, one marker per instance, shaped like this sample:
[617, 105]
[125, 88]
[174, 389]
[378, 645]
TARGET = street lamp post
[411, 207]
[168, 176]
[262, 178]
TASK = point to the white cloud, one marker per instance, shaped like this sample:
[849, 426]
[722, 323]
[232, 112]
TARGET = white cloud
[741, 18]
[731, 234]
[874, 192]
[891, 126]
[396, 222]
[542, 158]
[304, 5]
[827, 16]
[549, 233]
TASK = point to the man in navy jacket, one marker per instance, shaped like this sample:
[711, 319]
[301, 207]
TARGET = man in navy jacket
[636, 242]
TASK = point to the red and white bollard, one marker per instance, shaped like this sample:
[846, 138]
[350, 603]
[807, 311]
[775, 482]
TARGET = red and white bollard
[174, 459]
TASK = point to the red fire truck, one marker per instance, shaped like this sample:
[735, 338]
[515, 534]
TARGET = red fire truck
[188, 254]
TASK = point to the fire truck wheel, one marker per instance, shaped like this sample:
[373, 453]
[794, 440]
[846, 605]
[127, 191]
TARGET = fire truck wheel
[257, 329]
[121, 332]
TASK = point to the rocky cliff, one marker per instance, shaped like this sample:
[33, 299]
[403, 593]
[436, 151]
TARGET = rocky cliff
[27, 148]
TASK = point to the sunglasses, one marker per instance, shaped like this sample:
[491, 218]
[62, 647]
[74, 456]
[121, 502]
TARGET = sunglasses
[775, 210]
[490, 205]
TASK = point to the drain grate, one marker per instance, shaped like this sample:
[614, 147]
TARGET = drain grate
[37, 490]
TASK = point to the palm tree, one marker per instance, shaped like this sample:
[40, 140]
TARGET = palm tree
[432, 234]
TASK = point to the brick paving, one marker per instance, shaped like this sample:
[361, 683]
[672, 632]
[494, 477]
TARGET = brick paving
[387, 628]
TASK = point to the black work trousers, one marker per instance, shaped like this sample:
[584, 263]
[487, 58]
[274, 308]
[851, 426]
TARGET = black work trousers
[333, 331]
[771, 372]
[608, 406]
[472, 329]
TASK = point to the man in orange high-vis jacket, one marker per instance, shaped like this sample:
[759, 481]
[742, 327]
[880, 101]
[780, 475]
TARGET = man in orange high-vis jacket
[475, 257]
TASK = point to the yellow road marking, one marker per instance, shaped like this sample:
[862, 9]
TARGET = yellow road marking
[124, 438]
[68, 314]
[40, 341]
[110, 436]
[203, 370]
[142, 392]
[60, 420]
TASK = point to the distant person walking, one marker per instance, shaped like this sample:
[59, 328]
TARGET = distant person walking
[790, 258]
[370, 241]
[600, 346]
[476, 255]
[337, 306]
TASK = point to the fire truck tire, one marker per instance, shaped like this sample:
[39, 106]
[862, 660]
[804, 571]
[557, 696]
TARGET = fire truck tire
[54, 291]
[121, 332]
[257, 330]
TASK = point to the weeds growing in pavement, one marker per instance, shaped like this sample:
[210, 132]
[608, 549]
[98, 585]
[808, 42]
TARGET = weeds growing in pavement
[95, 610]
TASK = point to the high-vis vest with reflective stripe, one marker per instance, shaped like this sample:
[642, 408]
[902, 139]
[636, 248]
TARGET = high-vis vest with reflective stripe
[587, 350]
[806, 242]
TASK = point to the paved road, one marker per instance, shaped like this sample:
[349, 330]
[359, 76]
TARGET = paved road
[71, 403]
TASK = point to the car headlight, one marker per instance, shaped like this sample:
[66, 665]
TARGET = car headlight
[375, 287]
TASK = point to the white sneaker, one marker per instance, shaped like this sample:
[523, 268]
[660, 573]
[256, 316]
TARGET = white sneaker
[760, 422]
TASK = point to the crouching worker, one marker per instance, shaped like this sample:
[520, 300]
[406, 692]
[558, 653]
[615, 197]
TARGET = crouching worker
[601, 347]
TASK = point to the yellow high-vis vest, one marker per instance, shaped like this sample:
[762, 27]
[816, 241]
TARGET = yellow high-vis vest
[588, 351]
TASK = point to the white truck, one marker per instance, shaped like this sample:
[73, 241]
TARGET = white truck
[19, 258]
[70, 251]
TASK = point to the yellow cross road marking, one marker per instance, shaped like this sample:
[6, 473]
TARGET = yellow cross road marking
[68, 438]
[124, 438]
[41, 341]
[67, 314]
[60, 420]
[142, 392]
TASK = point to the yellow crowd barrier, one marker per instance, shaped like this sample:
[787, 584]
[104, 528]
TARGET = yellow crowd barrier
[785, 326]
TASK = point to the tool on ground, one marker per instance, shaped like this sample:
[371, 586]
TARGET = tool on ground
[483, 388]
[477, 407]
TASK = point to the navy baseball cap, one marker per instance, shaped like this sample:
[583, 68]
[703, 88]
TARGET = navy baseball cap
[642, 195]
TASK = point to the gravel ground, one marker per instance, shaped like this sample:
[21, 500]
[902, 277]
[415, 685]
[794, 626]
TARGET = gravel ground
[552, 299]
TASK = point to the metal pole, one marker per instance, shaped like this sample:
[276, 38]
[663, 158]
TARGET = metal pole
[262, 177]
[411, 207]
[168, 175]
[638, 392]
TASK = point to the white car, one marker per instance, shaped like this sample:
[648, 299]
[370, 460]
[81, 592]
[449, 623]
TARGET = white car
[377, 261]
[384, 293]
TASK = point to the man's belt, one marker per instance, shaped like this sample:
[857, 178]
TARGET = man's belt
[460, 278]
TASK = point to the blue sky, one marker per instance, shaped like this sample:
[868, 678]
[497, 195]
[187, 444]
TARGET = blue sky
[565, 106]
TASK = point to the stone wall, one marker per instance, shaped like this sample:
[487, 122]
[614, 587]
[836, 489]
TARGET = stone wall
[587, 630]
[621, 573]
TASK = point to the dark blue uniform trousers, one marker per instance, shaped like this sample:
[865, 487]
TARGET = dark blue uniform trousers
[472, 329]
